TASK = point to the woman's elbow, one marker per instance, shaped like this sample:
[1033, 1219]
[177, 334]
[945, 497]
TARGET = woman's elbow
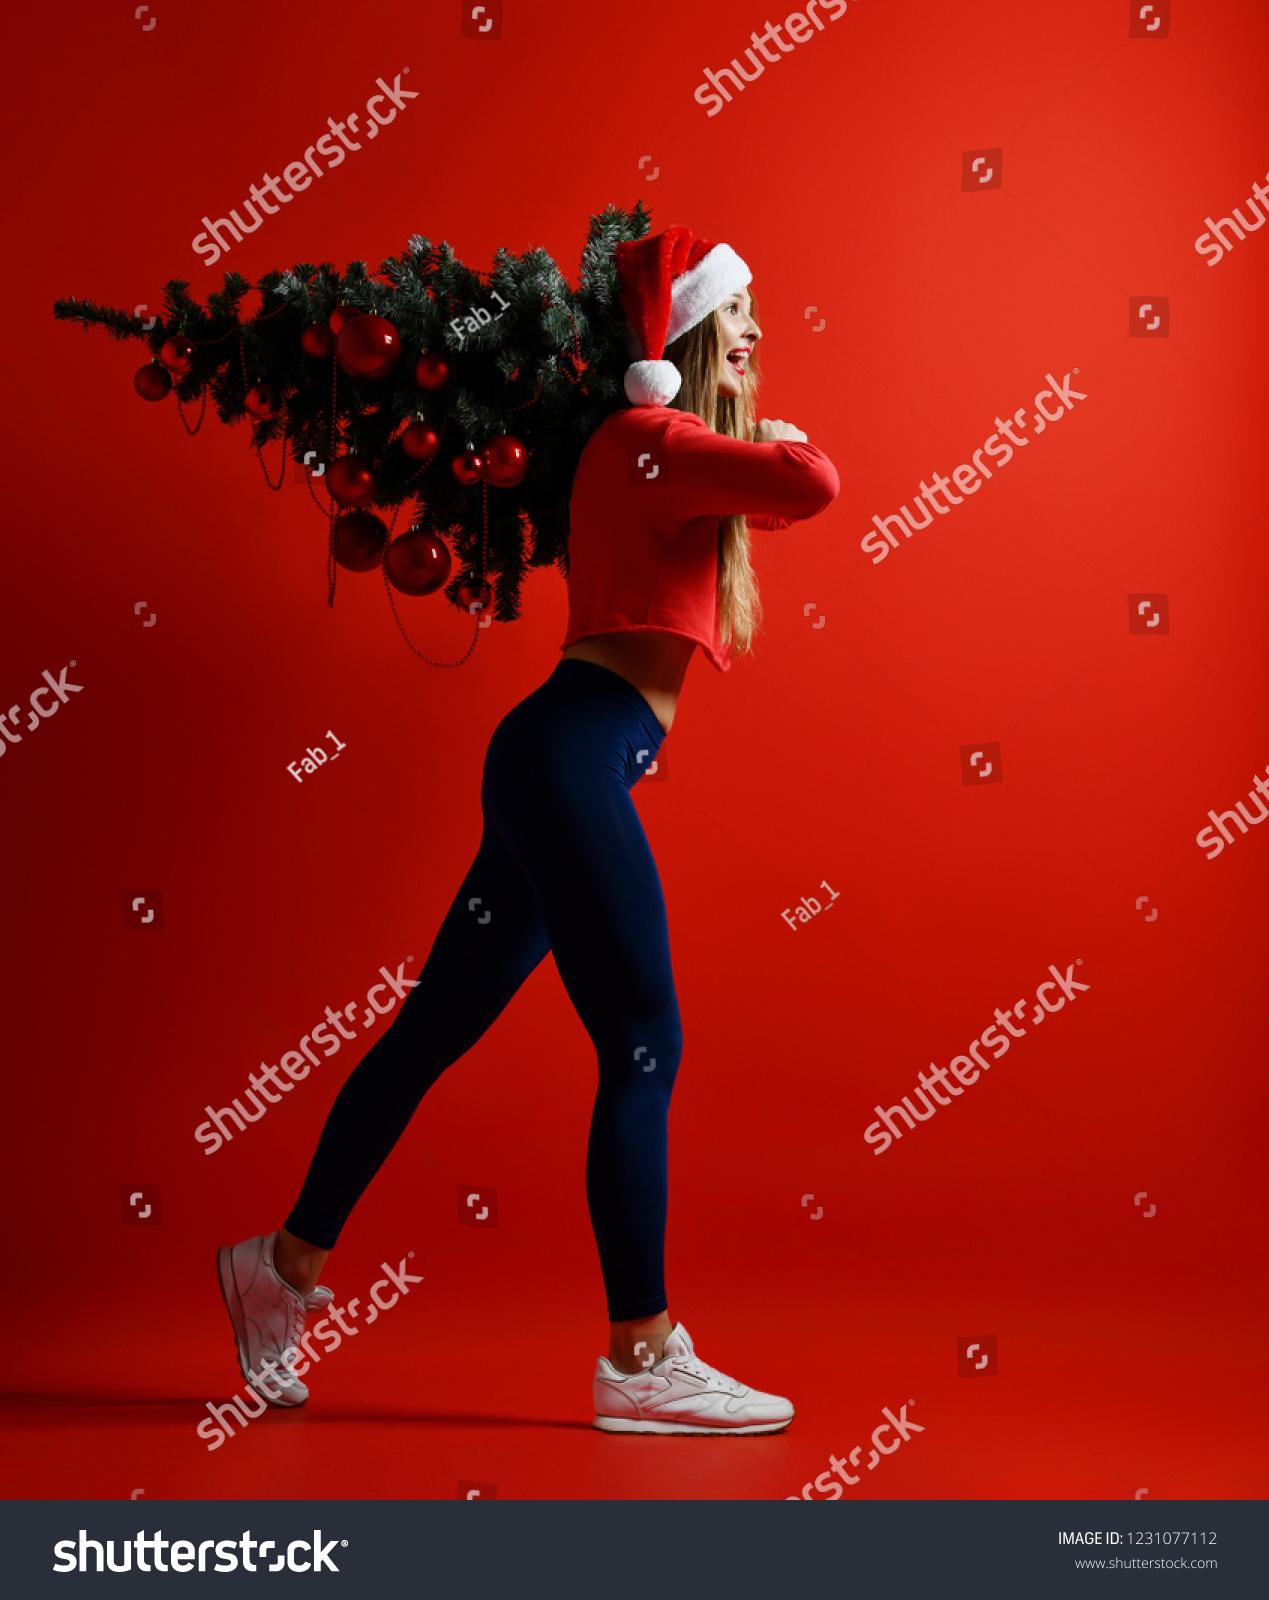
[821, 489]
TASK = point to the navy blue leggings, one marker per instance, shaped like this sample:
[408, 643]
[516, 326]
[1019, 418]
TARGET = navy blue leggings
[563, 865]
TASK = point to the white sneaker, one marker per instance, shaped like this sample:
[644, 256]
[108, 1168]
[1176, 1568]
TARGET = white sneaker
[681, 1394]
[268, 1317]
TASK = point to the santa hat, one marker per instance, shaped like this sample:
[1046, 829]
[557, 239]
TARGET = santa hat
[670, 282]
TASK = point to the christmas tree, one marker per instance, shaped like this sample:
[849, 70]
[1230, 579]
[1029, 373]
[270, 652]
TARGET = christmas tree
[467, 395]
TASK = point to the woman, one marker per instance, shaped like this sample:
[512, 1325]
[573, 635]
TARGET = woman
[658, 564]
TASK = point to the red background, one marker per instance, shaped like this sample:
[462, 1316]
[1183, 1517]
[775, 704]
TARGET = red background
[1131, 1349]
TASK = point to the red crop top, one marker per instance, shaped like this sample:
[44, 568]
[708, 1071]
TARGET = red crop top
[650, 487]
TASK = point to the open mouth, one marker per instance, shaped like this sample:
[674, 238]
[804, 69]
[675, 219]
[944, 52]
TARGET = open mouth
[738, 359]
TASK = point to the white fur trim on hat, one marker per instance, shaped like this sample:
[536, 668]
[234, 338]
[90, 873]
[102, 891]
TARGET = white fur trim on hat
[704, 287]
[652, 383]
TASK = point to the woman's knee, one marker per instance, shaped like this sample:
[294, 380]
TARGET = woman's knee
[648, 1054]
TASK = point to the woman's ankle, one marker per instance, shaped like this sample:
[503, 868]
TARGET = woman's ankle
[637, 1344]
[297, 1262]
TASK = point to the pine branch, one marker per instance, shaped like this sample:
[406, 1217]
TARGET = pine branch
[118, 324]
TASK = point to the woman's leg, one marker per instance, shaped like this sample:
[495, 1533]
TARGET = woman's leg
[557, 784]
[490, 941]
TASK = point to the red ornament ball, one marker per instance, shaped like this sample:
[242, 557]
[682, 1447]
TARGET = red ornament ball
[177, 355]
[418, 562]
[368, 347]
[475, 596]
[431, 371]
[263, 401]
[420, 442]
[351, 481]
[359, 540]
[506, 461]
[153, 382]
[317, 340]
[468, 467]
[340, 315]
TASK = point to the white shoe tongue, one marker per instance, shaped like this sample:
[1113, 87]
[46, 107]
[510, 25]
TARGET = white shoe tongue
[679, 1342]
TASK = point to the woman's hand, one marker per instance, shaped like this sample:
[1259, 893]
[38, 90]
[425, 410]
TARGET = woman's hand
[767, 431]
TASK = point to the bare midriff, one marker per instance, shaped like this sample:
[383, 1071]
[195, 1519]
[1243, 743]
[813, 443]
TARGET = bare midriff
[654, 662]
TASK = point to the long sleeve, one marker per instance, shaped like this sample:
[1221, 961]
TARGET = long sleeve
[710, 474]
[647, 495]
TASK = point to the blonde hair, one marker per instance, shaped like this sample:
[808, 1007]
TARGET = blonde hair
[699, 354]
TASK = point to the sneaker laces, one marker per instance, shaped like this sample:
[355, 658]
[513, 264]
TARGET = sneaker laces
[701, 1369]
[301, 1308]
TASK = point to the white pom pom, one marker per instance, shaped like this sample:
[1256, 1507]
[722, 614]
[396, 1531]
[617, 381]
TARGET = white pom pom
[652, 383]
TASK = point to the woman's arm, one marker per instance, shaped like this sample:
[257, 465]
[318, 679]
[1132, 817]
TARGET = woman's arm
[710, 474]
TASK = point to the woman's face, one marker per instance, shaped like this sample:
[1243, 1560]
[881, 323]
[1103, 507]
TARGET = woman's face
[739, 335]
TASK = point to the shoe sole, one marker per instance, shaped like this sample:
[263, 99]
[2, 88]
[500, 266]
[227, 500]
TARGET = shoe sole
[634, 1425]
[238, 1320]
